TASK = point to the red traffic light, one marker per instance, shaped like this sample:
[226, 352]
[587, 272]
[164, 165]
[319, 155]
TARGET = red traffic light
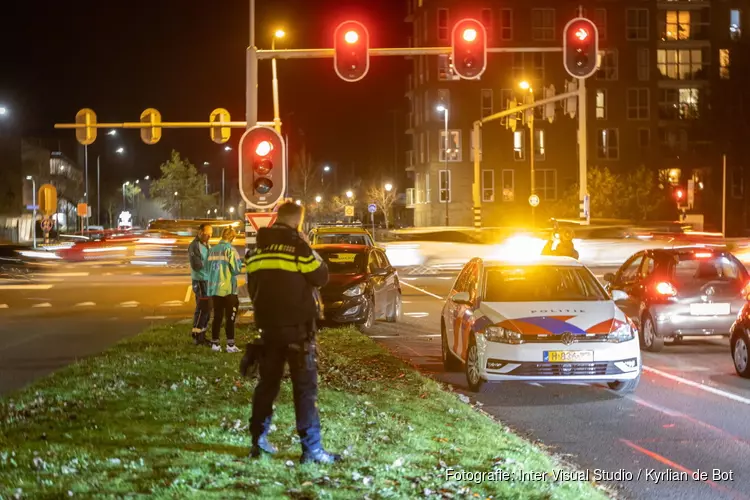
[679, 194]
[263, 168]
[580, 47]
[469, 44]
[351, 51]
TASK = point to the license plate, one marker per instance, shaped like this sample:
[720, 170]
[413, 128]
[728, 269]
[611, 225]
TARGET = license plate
[568, 356]
[716, 309]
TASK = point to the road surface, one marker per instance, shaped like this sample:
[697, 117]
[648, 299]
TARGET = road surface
[73, 311]
[690, 412]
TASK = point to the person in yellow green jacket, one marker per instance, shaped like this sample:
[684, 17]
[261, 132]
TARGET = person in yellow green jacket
[224, 265]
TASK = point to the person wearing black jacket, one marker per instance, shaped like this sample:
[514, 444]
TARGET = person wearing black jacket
[283, 275]
[198, 258]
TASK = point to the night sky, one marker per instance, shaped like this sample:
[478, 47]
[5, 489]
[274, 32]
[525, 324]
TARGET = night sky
[186, 58]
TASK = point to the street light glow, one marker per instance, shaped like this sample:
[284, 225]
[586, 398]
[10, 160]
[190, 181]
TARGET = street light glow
[441, 108]
[351, 36]
[318, 199]
[231, 210]
[3, 110]
[280, 34]
[112, 132]
[137, 181]
[120, 151]
[389, 187]
[470, 34]
[127, 183]
[326, 169]
[28, 177]
[263, 148]
[298, 202]
[349, 194]
[147, 178]
[227, 148]
[175, 193]
[524, 85]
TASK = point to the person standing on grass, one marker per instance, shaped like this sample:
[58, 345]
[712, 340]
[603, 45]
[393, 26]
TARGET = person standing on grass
[282, 276]
[224, 266]
[198, 257]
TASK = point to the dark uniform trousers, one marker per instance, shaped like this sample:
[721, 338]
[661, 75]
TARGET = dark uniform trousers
[202, 307]
[279, 349]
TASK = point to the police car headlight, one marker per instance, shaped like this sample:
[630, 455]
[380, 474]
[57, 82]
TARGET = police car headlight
[356, 290]
[502, 335]
[623, 333]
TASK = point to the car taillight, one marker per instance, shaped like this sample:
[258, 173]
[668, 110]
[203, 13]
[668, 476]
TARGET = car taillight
[666, 289]
[703, 255]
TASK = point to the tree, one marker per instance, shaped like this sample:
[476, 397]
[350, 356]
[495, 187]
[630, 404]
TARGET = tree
[180, 189]
[641, 196]
[383, 199]
[603, 187]
[303, 176]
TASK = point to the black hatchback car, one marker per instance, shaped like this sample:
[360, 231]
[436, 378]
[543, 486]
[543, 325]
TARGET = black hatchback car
[362, 285]
[680, 292]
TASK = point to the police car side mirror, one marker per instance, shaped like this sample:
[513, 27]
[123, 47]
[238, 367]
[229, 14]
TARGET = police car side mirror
[618, 295]
[462, 298]
[380, 272]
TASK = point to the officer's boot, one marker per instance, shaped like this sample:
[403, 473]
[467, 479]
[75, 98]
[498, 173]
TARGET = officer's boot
[261, 446]
[319, 456]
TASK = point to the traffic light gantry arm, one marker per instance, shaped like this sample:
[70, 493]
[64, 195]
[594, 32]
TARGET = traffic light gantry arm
[414, 51]
[137, 125]
[524, 107]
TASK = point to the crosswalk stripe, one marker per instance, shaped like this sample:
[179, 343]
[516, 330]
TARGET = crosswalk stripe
[4, 306]
[25, 287]
[132, 303]
[85, 304]
[43, 304]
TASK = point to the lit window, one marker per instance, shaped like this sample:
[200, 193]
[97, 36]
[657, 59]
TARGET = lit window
[427, 190]
[687, 64]
[601, 104]
[735, 25]
[488, 185]
[679, 104]
[454, 145]
[608, 144]
[539, 145]
[445, 186]
[519, 144]
[677, 26]
[724, 64]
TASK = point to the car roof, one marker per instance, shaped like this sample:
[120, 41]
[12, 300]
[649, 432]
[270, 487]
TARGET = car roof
[541, 260]
[690, 249]
[340, 230]
[343, 248]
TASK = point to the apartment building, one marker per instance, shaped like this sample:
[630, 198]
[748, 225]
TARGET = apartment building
[663, 84]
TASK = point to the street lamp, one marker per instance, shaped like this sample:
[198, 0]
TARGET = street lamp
[227, 148]
[3, 111]
[298, 202]
[148, 177]
[279, 34]
[112, 132]
[525, 85]
[124, 200]
[318, 199]
[120, 151]
[388, 187]
[231, 210]
[205, 164]
[326, 169]
[350, 194]
[444, 109]
[33, 204]
[137, 181]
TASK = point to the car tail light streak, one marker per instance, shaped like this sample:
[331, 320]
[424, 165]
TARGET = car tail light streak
[665, 289]
[502, 335]
[703, 255]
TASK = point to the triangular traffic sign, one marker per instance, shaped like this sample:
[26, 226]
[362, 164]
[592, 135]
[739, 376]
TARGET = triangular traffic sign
[260, 219]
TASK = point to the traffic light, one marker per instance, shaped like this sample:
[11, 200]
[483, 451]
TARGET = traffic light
[351, 51]
[679, 195]
[151, 134]
[469, 49]
[580, 47]
[263, 167]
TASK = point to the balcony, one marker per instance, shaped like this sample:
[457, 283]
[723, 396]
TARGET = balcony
[411, 198]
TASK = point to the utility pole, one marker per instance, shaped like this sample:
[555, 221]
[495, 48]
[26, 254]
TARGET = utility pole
[86, 183]
[532, 154]
[724, 195]
[251, 73]
[583, 194]
[98, 194]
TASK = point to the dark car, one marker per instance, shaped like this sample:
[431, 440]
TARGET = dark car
[362, 286]
[679, 292]
[739, 342]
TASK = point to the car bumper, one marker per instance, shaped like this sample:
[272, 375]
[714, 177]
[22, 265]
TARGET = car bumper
[675, 320]
[345, 310]
[507, 362]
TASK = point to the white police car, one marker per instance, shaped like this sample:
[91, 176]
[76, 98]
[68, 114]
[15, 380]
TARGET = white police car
[543, 319]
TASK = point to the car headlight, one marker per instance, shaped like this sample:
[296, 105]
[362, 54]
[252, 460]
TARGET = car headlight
[623, 333]
[502, 335]
[356, 290]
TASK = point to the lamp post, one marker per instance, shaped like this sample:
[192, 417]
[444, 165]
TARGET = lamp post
[326, 169]
[444, 109]
[527, 86]
[318, 199]
[33, 204]
[227, 149]
[279, 34]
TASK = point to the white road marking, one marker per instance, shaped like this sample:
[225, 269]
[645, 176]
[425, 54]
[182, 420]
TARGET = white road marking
[384, 336]
[43, 304]
[85, 304]
[417, 314]
[444, 278]
[25, 287]
[535, 384]
[154, 317]
[431, 336]
[136, 274]
[107, 274]
[172, 303]
[52, 280]
[131, 303]
[185, 322]
[424, 291]
[409, 279]
[4, 306]
[698, 385]
[62, 275]
[187, 294]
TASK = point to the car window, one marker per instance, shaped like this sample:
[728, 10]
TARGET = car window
[461, 284]
[695, 269]
[344, 262]
[341, 239]
[382, 260]
[649, 264]
[541, 284]
[628, 273]
[472, 282]
[372, 263]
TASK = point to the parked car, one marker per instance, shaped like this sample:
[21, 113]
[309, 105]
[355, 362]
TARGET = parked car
[362, 285]
[671, 293]
[340, 234]
[739, 341]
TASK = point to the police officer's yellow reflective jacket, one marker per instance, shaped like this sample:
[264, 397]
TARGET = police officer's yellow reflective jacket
[282, 274]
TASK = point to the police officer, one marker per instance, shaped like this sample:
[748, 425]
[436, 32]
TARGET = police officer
[198, 256]
[283, 274]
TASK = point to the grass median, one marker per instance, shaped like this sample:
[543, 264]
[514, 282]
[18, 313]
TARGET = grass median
[157, 416]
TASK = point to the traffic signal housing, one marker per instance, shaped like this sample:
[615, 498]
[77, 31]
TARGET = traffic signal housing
[263, 167]
[351, 51]
[580, 47]
[679, 195]
[469, 49]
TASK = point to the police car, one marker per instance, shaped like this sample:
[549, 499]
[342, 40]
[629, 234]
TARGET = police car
[543, 319]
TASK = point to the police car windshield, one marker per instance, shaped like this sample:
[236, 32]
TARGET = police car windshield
[344, 262]
[341, 239]
[541, 284]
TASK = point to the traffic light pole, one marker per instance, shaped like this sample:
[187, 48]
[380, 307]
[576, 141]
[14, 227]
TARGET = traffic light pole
[251, 73]
[584, 206]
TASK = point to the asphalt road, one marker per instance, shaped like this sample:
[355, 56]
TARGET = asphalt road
[690, 412]
[73, 311]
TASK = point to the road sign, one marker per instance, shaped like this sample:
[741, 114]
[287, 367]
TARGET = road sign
[151, 135]
[220, 135]
[372, 208]
[47, 225]
[534, 200]
[82, 210]
[86, 135]
[349, 211]
[260, 219]
[47, 199]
